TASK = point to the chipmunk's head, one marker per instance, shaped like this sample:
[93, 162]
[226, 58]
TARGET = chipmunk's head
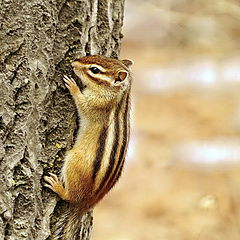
[103, 74]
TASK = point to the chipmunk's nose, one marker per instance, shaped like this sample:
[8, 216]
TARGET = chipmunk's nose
[74, 63]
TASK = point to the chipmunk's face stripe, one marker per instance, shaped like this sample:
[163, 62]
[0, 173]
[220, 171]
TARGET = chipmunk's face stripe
[114, 148]
[100, 152]
[99, 76]
[98, 80]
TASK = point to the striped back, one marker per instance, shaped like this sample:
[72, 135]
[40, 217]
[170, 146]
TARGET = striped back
[111, 162]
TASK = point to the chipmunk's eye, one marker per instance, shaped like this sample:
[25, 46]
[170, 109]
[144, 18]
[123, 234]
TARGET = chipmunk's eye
[94, 70]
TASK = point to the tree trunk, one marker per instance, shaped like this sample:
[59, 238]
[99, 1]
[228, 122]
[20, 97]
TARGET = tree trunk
[38, 119]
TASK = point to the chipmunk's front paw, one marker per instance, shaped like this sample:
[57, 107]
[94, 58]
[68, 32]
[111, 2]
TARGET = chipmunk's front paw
[56, 185]
[71, 85]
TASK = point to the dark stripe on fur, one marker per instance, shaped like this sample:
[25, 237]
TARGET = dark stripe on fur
[99, 154]
[118, 170]
[98, 81]
[119, 165]
[114, 148]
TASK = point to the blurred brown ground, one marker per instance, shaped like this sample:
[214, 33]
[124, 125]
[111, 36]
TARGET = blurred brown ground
[182, 176]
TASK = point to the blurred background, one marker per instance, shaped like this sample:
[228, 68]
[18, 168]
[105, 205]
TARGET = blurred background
[182, 175]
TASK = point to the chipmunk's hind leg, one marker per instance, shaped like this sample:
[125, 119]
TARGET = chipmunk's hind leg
[56, 185]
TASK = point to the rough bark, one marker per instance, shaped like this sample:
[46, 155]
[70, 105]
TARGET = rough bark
[38, 118]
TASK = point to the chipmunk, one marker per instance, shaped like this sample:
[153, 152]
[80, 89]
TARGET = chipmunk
[94, 164]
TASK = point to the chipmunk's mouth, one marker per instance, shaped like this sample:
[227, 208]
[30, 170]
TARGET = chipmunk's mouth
[78, 81]
[76, 74]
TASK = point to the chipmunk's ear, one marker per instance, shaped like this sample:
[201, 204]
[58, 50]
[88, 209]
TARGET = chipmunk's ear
[127, 62]
[122, 75]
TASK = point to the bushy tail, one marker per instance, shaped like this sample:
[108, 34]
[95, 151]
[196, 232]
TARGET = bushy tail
[73, 225]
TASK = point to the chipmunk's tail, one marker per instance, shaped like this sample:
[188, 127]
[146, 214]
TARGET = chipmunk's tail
[73, 225]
